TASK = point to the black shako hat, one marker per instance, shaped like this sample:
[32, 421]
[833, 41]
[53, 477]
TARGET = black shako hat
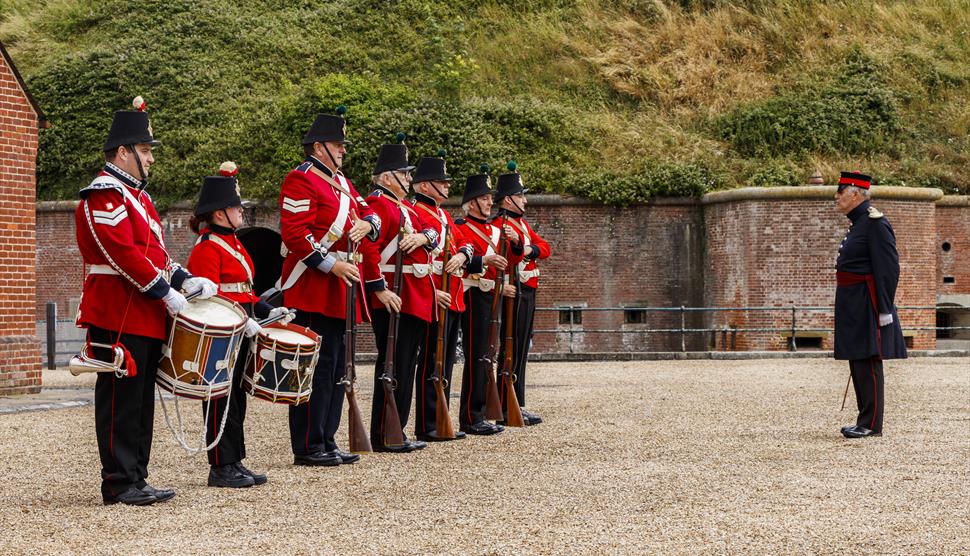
[431, 168]
[477, 185]
[131, 127]
[328, 128]
[219, 192]
[393, 157]
[509, 184]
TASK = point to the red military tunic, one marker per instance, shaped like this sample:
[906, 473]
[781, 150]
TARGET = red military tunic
[309, 208]
[533, 248]
[432, 216]
[417, 287]
[486, 239]
[210, 259]
[120, 238]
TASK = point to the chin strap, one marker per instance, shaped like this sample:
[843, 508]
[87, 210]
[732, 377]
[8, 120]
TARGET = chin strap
[229, 221]
[330, 155]
[141, 169]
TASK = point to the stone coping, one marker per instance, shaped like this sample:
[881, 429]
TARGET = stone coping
[815, 192]
[954, 201]
[819, 192]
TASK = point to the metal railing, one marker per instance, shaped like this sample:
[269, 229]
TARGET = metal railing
[59, 350]
[683, 311]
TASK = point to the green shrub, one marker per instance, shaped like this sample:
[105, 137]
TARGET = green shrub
[856, 114]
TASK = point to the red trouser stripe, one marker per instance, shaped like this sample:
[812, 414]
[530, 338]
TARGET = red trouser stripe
[875, 395]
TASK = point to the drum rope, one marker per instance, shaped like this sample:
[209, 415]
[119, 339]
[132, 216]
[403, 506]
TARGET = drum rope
[181, 434]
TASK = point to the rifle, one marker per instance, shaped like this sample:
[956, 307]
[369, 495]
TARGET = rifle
[512, 409]
[390, 421]
[443, 424]
[359, 440]
[493, 404]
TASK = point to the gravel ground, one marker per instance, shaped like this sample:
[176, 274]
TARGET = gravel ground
[634, 457]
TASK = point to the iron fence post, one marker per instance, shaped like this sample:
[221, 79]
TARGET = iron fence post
[792, 346]
[683, 314]
[51, 335]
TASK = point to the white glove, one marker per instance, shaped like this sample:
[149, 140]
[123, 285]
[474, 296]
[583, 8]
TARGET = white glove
[196, 283]
[174, 302]
[276, 311]
[885, 319]
[252, 328]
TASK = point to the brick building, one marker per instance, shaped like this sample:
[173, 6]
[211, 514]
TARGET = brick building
[20, 118]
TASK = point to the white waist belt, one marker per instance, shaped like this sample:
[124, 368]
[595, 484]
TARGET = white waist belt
[236, 287]
[483, 284]
[108, 270]
[419, 270]
[526, 275]
[102, 269]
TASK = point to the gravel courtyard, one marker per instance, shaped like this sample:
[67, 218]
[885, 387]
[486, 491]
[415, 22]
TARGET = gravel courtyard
[634, 457]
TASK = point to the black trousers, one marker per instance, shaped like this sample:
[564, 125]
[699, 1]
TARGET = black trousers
[410, 334]
[232, 446]
[474, 334]
[314, 423]
[426, 399]
[124, 412]
[868, 381]
[522, 324]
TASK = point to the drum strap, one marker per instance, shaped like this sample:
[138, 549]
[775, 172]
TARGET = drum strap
[229, 249]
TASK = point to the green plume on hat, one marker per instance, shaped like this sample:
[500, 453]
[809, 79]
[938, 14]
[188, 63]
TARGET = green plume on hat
[442, 153]
[512, 165]
[484, 168]
[400, 137]
[341, 110]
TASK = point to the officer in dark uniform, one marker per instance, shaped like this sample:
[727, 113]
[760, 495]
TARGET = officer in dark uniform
[867, 328]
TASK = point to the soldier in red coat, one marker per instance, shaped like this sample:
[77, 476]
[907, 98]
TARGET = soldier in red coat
[431, 183]
[219, 256]
[511, 200]
[130, 284]
[321, 215]
[481, 274]
[415, 306]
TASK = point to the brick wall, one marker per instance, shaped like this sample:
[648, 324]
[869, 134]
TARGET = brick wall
[19, 347]
[755, 252]
[953, 245]
[777, 248]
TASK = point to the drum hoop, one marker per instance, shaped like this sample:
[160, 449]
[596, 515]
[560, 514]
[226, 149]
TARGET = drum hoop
[230, 329]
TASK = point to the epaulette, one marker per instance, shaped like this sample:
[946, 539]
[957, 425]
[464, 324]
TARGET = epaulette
[874, 213]
[460, 221]
[376, 193]
[305, 167]
[100, 186]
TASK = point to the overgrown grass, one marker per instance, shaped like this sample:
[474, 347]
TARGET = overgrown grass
[619, 100]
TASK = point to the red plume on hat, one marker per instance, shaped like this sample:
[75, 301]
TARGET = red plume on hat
[228, 169]
[139, 104]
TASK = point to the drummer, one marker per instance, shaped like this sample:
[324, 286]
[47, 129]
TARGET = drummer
[219, 256]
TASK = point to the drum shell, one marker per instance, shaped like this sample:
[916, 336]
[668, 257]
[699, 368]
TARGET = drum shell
[287, 378]
[215, 345]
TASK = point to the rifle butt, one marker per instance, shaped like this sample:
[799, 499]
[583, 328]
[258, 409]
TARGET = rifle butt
[493, 403]
[359, 440]
[390, 421]
[513, 411]
[443, 425]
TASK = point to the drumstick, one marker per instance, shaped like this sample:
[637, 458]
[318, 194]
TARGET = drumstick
[277, 318]
[193, 295]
